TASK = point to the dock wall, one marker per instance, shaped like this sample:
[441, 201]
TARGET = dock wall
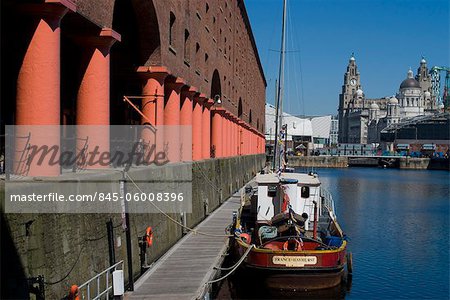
[408, 163]
[414, 163]
[71, 248]
[318, 161]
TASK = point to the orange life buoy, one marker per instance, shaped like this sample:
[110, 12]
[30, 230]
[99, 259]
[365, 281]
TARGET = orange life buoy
[246, 238]
[73, 294]
[298, 245]
[149, 236]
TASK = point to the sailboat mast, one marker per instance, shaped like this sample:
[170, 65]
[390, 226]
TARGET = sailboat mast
[279, 102]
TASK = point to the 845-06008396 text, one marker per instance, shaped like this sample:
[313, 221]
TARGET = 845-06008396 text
[99, 196]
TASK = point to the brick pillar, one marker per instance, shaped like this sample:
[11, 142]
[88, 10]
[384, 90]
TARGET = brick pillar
[247, 140]
[252, 141]
[152, 106]
[172, 118]
[225, 135]
[93, 93]
[197, 127]
[153, 90]
[187, 99]
[240, 137]
[206, 129]
[233, 136]
[38, 87]
[216, 137]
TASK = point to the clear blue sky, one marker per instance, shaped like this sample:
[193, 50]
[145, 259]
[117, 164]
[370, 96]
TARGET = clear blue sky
[387, 36]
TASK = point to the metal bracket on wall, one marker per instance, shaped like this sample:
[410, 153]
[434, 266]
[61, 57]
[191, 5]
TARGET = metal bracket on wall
[36, 287]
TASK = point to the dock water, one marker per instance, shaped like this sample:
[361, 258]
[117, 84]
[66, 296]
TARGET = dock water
[183, 272]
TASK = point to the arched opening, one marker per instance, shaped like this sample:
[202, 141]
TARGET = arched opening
[216, 91]
[171, 29]
[240, 108]
[250, 117]
[138, 26]
[215, 85]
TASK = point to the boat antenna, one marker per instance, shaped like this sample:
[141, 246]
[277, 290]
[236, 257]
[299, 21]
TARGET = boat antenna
[279, 100]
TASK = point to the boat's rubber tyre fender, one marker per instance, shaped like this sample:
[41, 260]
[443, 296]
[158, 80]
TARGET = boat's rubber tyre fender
[350, 263]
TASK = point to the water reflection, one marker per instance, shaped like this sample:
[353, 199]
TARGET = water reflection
[243, 285]
[398, 225]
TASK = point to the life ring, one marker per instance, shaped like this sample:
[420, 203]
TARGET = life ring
[149, 236]
[73, 294]
[246, 238]
[298, 245]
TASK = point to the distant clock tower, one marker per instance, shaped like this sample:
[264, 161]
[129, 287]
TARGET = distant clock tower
[351, 85]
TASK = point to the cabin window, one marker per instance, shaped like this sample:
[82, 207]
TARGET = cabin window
[304, 192]
[271, 191]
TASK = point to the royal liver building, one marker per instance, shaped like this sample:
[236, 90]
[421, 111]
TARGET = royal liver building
[361, 119]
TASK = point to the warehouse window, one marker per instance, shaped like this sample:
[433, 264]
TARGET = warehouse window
[187, 52]
[171, 28]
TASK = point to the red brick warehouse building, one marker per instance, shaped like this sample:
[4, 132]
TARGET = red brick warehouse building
[72, 62]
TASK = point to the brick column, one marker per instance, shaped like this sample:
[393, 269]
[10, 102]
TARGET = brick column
[187, 99]
[246, 140]
[206, 129]
[152, 106]
[240, 137]
[38, 86]
[252, 141]
[233, 136]
[225, 135]
[216, 137]
[172, 118]
[197, 127]
[93, 93]
[153, 90]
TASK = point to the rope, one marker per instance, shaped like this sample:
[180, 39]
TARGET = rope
[175, 221]
[234, 267]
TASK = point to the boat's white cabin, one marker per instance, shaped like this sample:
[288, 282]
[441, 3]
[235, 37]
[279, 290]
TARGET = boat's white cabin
[299, 189]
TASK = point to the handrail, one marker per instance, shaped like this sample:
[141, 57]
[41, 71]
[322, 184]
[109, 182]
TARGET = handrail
[108, 287]
[328, 201]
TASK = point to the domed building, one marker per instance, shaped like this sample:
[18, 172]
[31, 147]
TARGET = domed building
[410, 97]
[361, 119]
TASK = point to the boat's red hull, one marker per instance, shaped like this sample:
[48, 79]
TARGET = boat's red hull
[296, 270]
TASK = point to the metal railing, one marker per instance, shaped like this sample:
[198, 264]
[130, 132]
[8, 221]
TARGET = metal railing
[327, 200]
[95, 282]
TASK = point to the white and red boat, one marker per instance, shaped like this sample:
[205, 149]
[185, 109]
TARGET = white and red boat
[287, 234]
[286, 231]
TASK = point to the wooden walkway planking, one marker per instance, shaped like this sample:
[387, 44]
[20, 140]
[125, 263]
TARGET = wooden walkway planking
[183, 271]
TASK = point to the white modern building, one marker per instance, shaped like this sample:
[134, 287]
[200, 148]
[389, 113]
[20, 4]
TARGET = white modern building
[299, 130]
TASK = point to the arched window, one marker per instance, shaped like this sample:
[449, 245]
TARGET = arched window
[240, 108]
[171, 28]
[187, 48]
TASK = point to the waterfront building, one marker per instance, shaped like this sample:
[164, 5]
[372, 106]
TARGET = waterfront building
[334, 131]
[64, 62]
[321, 127]
[361, 119]
[75, 61]
[421, 135]
[299, 131]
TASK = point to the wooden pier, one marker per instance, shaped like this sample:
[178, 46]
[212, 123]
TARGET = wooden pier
[183, 272]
